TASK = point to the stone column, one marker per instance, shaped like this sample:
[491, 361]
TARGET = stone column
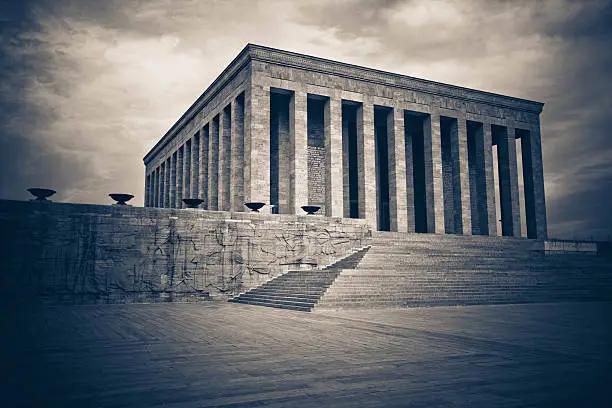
[257, 144]
[284, 127]
[172, 185]
[462, 197]
[162, 184]
[179, 176]
[152, 189]
[156, 196]
[508, 182]
[533, 178]
[204, 143]
[334, 190]
[213, 165]
[434, 190]
[167, 181]
[187, 148]
[366, 158]
[195, 165]
[397, 170]
[489, 179]
[237, 171]
[298, 155]
[225, 164]
[147, 189]
[409, 159]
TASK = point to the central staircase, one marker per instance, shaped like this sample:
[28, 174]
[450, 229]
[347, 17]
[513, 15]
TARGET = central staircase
[413, 270]
[299, 290]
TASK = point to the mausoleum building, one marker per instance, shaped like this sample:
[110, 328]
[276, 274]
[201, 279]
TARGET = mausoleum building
[406, 154]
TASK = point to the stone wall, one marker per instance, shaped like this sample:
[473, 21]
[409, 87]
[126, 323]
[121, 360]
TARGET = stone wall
[108, 254]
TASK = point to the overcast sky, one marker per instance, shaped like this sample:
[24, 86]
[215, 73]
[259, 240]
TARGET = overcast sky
[88, 86]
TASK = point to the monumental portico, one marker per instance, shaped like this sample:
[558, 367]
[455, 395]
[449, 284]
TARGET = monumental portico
[406, 154]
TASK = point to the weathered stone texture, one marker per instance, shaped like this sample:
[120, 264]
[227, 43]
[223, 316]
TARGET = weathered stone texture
[397, 171]
[334, 194]
[213, 165]
[237, 159]
[119, 253]
[225, 158]
[298, 153]
[285, 164]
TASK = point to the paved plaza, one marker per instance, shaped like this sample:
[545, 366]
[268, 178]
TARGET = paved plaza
[233, 355]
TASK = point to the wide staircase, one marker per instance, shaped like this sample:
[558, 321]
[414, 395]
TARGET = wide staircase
[300, 289]
[411, 270]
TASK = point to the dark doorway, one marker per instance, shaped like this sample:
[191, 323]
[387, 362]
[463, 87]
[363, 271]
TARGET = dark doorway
[350, 165]
[414, 132]
[451, 182]
[381, 135]
[279, 138]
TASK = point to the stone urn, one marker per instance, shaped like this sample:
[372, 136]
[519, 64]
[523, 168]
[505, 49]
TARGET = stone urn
[41, 194]
[192, 202]
[254, 206]
[121, 198]
[311, 209]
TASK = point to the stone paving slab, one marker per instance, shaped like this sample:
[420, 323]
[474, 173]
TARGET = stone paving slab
[233, 355]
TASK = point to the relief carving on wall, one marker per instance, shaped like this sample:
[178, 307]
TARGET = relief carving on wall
[128, 256]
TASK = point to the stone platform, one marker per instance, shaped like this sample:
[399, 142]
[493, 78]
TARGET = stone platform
[233, 355]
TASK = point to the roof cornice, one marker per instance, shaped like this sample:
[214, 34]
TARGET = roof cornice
[225, 76]
[331, 67]
[326, 66]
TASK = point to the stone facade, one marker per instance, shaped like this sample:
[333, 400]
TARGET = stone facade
[405, 154]
[110, 254]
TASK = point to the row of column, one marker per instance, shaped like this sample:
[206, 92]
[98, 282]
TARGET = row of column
[435, 174]
[450, 188]
[208, 166]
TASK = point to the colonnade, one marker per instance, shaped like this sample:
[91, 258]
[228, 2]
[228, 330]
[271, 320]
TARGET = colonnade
[399, 169]
[209, 166]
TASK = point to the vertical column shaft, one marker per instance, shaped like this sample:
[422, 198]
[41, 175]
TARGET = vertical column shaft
[162, 184]
[225, 164]
[508, 182]
[366, 154]
[257, 143]
[195, 165]
[237, 159]
[156, 187]
[179, 176]
[187, 148]
[433, 174]
[173, 160]
[298, 154]
[213, 165]
[153, 188]
[397, 170]
[533, 178]
[147, 189]
[489, 179]
[462, 197]
[167, 190]
[409, 160]
[334, 191]
[204, 144]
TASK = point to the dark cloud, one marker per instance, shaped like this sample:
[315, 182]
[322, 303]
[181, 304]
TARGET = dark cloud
[88, 86]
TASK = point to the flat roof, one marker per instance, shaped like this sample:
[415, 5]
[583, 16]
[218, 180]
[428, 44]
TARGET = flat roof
[331, 67]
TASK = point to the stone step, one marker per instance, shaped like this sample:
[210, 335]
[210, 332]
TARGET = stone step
[271, 304]
[443, 302]
[295, 300]
[278, 301]
[286, 292]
